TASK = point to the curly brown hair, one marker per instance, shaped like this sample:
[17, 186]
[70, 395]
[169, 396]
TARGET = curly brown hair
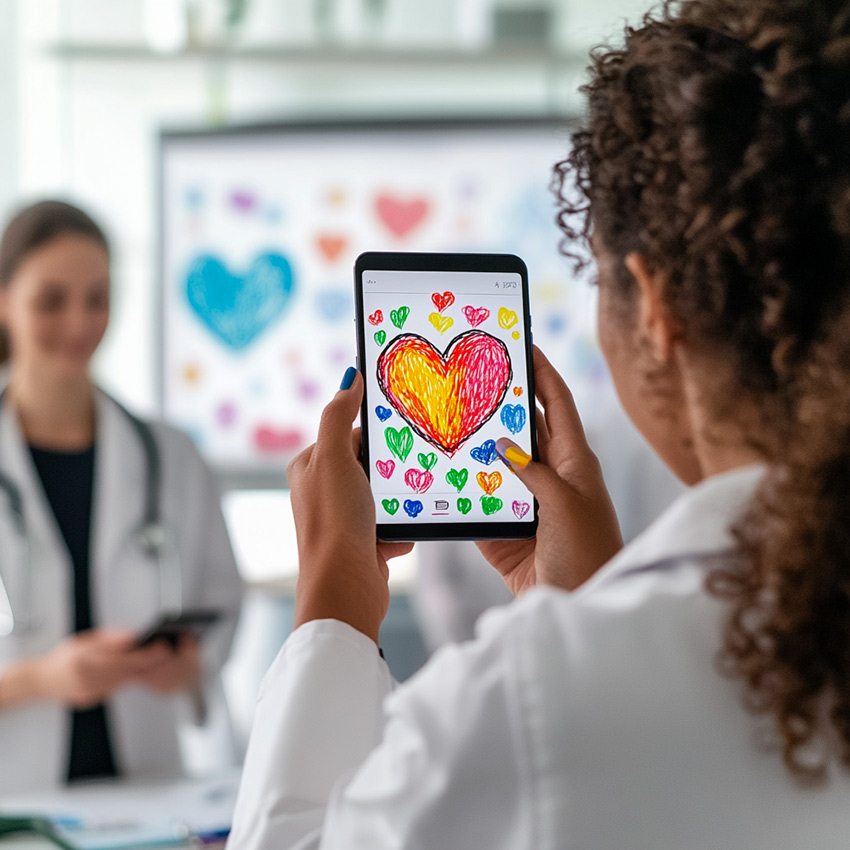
[717, 145]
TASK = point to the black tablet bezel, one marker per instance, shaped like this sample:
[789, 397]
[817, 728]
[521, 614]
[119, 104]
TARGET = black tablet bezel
[436, 262]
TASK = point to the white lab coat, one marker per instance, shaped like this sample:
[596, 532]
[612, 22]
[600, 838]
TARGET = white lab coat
[34, 737]
[592, 720]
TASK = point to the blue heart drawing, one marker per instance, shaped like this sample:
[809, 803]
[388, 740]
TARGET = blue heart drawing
[513, 417]
[383, 413]
[485, 453]
[412, 507]
[236, 309]
[334, 304]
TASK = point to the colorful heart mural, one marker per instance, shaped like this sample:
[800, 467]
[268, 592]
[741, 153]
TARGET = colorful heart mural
[446, 397]
[236, 308]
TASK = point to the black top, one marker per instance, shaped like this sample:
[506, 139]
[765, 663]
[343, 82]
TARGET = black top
[68, 481]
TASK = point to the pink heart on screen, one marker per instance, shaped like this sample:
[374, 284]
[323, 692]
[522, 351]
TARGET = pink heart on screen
[401, 216]
[418, 480]
[385, 467]
[520, 508]
[476, 315]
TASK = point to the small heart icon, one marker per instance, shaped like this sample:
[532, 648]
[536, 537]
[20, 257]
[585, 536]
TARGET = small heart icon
[271, 440]
[441, 323]
[520, 508]
[427, 461]
[400, 217]
[464, 505]
[476, 315]
[491, 504]
[419, 481]
[457, 478]
[513, 417]
[412, 507]
[399, 317]
[507, 318]
[399, 442]
[385, 468]
[381, 337]
[390, 506]
[443, 301]
[376, 318]
[331, 246]
[485, 453]
[489, 482]
[383, 413]
[517, 391]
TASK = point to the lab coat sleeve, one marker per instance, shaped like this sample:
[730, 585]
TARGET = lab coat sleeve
[318, 716]
[447, 771]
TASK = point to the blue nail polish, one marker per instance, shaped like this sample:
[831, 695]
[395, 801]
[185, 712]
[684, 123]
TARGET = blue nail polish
[348, 378]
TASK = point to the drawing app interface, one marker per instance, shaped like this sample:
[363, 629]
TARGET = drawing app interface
[445, 377]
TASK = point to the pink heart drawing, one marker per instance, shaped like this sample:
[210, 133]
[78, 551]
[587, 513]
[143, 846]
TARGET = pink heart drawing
[520, 508]
[401, 216]
[385, 467]
[271, 440]
[476, 315]
[418, 480]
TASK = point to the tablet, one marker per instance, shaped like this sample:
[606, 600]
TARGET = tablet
[444, 344]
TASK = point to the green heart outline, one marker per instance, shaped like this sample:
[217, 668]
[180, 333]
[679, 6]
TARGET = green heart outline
[380, 337]
[390, 506]
[399, 442]
[399, 317]
[428, 461]
[458, 478]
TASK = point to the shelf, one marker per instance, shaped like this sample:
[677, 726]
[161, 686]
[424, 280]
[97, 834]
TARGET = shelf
[326, 56]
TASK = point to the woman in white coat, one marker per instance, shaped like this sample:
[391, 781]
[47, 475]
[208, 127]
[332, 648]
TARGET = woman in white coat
[714, 168]
[77, 699]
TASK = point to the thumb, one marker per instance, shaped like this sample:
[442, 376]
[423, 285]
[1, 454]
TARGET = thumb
[538, 477]
[338, 416]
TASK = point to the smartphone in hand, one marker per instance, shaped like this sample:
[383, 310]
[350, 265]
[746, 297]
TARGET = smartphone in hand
[171, 627]
[444, 344]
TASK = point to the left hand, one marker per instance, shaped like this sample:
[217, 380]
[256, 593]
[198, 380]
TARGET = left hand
[342, 573]
[178, 669]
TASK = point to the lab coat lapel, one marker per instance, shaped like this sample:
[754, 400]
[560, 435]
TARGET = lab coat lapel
[126, 591]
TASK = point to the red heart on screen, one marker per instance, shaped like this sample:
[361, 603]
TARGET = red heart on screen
[443, 301]
[418, 480]
[445, 397]
[376, 318]
[401, 216]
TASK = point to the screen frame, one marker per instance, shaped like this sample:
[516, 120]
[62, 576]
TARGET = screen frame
[444, 262]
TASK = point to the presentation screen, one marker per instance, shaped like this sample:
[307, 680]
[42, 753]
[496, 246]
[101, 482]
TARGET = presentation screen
[260, 228]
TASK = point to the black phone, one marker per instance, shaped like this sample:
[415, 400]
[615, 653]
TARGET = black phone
[171, 627]
[445, 347]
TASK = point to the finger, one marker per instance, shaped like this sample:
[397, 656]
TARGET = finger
[543, 482]
[119, 640]
[355, 441]
[337, 417]
[394, 550]
[562, 419]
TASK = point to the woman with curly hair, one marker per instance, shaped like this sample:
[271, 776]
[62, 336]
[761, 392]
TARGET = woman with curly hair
[691, 690]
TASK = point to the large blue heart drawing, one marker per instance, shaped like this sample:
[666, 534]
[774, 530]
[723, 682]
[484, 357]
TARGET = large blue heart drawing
[238, 308]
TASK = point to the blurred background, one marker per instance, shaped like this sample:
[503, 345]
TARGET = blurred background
[210, 135]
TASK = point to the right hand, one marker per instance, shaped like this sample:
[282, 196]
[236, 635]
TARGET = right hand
[86, 668]
[578, 530]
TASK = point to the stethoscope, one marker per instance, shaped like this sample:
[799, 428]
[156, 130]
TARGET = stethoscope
[151, 536]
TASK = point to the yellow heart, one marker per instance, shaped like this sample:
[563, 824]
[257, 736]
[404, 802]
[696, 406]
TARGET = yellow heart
[441, 323]
[507, 318]
[515, 334]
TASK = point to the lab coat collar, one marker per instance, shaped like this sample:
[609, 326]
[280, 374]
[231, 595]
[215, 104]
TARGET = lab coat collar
[698, 524]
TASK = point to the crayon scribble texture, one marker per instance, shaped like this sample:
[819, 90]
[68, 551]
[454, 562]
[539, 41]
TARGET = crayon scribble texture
[446, 397]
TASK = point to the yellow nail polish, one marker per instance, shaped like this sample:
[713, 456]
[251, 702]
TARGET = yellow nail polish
[517, 457]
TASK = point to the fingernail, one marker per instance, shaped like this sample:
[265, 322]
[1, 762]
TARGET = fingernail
[348, 378]
[517, 457]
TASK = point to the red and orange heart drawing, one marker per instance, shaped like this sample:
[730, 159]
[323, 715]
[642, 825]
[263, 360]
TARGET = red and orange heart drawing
[445, 397]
